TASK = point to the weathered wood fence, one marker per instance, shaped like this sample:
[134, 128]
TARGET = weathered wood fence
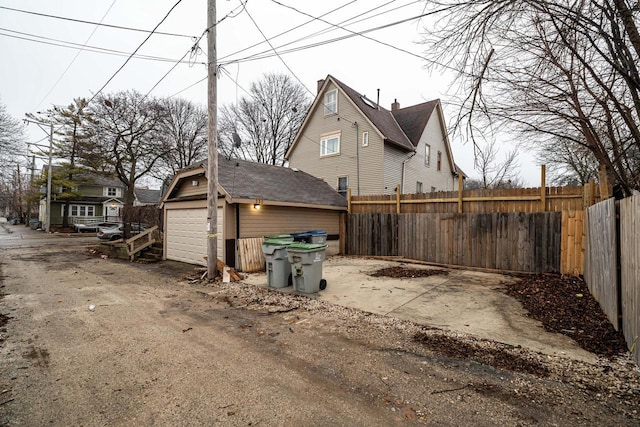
[612, 268]
[529, 242]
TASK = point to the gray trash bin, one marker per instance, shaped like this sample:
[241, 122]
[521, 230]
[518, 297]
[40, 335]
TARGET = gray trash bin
[317, 236]
[277, 264]
[306, 266]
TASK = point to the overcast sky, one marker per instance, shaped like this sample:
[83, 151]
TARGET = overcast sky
[42, 64]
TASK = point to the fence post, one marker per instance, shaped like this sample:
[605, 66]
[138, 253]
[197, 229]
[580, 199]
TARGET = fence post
[603, 183]
[398, 198]
[592, 192]
[349, 200]
[460, 188]
[543, 188]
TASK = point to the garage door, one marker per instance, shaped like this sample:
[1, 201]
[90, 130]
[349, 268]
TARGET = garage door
[187, 235]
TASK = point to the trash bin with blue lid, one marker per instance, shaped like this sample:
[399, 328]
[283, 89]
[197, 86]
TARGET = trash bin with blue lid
[301, 237]
[306, 266]
[277, 264]
[317, 236]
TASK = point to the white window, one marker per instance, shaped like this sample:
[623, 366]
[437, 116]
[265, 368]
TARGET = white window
[330, 145]
[427, 155]
[439, 166]
[331, 102]
[83, 210]
[418, 187]
[343, 184]
[365, 139]
[112, 192]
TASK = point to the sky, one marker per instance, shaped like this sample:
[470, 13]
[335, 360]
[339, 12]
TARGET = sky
[50, 61]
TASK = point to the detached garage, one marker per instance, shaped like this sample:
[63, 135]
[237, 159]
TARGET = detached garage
[254, 200]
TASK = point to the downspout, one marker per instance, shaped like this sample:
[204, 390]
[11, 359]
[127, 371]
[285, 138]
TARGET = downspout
[404, 163]
[357, 158]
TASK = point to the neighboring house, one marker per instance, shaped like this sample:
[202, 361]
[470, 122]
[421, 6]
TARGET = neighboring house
[254, 200]
[146, 196]
[101, 198]
[351, 142]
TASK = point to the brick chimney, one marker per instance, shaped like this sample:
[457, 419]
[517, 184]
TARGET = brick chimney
[320, 83]
[395, 106]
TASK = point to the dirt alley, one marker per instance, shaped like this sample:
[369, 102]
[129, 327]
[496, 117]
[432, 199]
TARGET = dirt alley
[158, 350]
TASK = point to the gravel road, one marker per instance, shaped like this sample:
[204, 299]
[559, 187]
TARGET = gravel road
[158, 349]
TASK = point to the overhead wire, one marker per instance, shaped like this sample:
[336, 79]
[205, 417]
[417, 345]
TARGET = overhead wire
[135, 51]
[119, 27]
[76, 56]
[87, 48]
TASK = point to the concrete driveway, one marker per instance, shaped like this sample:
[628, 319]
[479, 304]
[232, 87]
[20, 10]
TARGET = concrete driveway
[462, 301]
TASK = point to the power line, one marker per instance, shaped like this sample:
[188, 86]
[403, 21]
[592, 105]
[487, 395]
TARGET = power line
[119, 27]
[134, 52]
[87, 48]
[276, 52]
[76, 56]
[189, 87]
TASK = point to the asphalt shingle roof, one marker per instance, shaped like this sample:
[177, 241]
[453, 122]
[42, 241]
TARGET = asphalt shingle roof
[243, 179]
[147, 196]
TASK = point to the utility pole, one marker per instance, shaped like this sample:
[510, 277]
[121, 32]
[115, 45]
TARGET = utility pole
[212, 145]
[47, 226]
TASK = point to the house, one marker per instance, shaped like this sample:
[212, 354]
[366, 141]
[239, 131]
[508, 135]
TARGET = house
[146, 196]
[352, 142]
[100, 197]
[254, 200]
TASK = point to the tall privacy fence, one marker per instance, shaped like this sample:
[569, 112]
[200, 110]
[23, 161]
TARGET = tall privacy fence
[612, 264]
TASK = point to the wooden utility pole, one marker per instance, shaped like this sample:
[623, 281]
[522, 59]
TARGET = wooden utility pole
[212, 164]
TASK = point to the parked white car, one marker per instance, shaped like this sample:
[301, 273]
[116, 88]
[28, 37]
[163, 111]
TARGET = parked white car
[117, 232]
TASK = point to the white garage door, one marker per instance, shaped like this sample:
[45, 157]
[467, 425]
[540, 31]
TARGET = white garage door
[187, 235]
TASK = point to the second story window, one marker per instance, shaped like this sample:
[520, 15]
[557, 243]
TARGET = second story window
[365, 139]
[427, 155]
[112, 191]
[439, 161]
[330, 145]
[331, 102]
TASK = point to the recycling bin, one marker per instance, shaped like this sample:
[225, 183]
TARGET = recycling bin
[306, 266]
[317, 236]
[301, 237]
[277, 264]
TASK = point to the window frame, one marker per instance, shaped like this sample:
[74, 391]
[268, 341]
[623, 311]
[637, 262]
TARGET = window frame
[365, 139]
[427, 155]
[334, 103]
[439, 161]
[81, 211]
[419, 187]
[324, 139]
[342, 192]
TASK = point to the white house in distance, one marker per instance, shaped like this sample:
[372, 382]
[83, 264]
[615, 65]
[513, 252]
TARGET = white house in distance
[352, 142]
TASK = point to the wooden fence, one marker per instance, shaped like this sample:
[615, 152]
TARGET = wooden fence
[529, 242]
[601, 270]
[543, 199]
[612, 269]
[630, 272]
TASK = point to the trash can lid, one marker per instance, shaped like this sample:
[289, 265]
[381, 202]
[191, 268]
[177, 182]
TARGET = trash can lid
[277, 242]
[317, 232]
[306, 246]
[279, 237]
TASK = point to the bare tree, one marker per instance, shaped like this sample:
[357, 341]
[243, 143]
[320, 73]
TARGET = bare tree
[568, 163]
[549, 69]
[494, 171]
[183, 132]
[262, 127]
[126, 133]
[11, 141]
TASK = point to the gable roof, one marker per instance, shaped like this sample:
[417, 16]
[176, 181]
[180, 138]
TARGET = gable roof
[244, 181]
[89, 178]
[402, 128]
[147, 196]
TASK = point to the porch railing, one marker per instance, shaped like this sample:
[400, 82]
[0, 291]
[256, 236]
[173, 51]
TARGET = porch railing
[141, 241]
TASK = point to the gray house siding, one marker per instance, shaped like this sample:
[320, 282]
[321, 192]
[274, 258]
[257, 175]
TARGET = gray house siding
[393, 159]
[306, 156]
